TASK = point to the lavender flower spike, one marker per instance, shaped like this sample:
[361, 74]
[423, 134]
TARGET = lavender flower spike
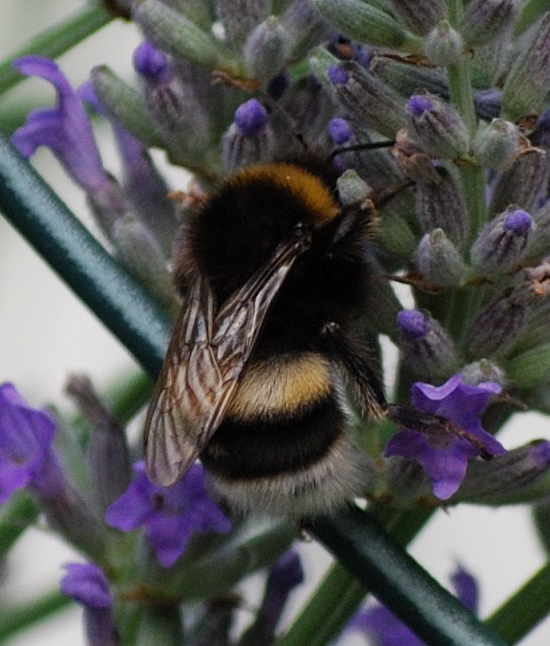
[87, 585]
[64, 129]
[25, 437]
[170, 515]
[445, 459]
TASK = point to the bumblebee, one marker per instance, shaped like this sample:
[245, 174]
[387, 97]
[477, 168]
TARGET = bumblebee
[275, 282]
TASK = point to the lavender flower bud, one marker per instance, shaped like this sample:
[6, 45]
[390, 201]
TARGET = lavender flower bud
[249, 139]
[107, 451]
[488, 103]
[197, 11]
[340, 131]
[425, 345]
[484, 20]
[488, 63]
[419, 17]
[497, 145]
[376, 167]
[311, 105]
[68, 511]
[497, 327]
[523, 183]
[483, 370]
[502, 243]
[266, 50]
[439, 205]
[143, 256]
[437, 126]
[406, 78]
[125, 104]
[531, 368]
[109, 205]
[443, 45]
[351, 188]
[173, 105]
[438, 260]
[304, 26]
[366, 98]
[143, 185]
[541, 134]
[172, 32]
[363, 22]
[526, 86]
[541, 220]
[86, 584]
[518, 476]
[240, 17]
[412, 160]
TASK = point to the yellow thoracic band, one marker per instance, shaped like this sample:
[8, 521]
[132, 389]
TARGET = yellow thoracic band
[281, 385]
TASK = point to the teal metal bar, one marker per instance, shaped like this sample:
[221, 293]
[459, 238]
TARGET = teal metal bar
[95, 277]
[399, 582]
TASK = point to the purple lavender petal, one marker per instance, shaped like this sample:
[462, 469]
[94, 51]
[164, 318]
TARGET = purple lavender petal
[444, 458]
[86, 583]
[466, 588]
[64, 129]
[152, 64]
[170, 515]
[25, 437]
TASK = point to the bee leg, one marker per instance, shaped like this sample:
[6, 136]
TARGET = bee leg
[356, 366]
[439, 429]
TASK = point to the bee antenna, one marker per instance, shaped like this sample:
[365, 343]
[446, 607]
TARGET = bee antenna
[371, 145]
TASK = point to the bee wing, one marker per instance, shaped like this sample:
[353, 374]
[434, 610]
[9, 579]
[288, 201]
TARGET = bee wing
[205, 359]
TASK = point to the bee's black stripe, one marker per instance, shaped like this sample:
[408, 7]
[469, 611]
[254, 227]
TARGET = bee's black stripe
[271, 445]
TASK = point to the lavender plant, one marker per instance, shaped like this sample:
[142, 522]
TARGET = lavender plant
[462, 94]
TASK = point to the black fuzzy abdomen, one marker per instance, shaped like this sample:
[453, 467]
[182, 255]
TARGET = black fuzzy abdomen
[272, 445]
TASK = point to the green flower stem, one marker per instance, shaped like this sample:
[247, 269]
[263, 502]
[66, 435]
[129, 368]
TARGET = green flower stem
[161, 625]
[525, 609]
[16, 514]
[14, 619]
[100, 282]
[126, 309]
[56, 40]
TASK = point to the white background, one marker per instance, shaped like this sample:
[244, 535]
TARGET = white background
[46, 334]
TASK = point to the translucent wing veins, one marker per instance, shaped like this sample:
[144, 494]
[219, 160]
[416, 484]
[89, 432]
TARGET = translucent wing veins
[205, 359]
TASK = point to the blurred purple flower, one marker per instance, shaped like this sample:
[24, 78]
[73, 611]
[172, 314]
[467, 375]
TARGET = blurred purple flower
[87, 585]
[284, 575]
[64, 129]
[170, 515]
[386, 629]
[444, 458]
[25, 438]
